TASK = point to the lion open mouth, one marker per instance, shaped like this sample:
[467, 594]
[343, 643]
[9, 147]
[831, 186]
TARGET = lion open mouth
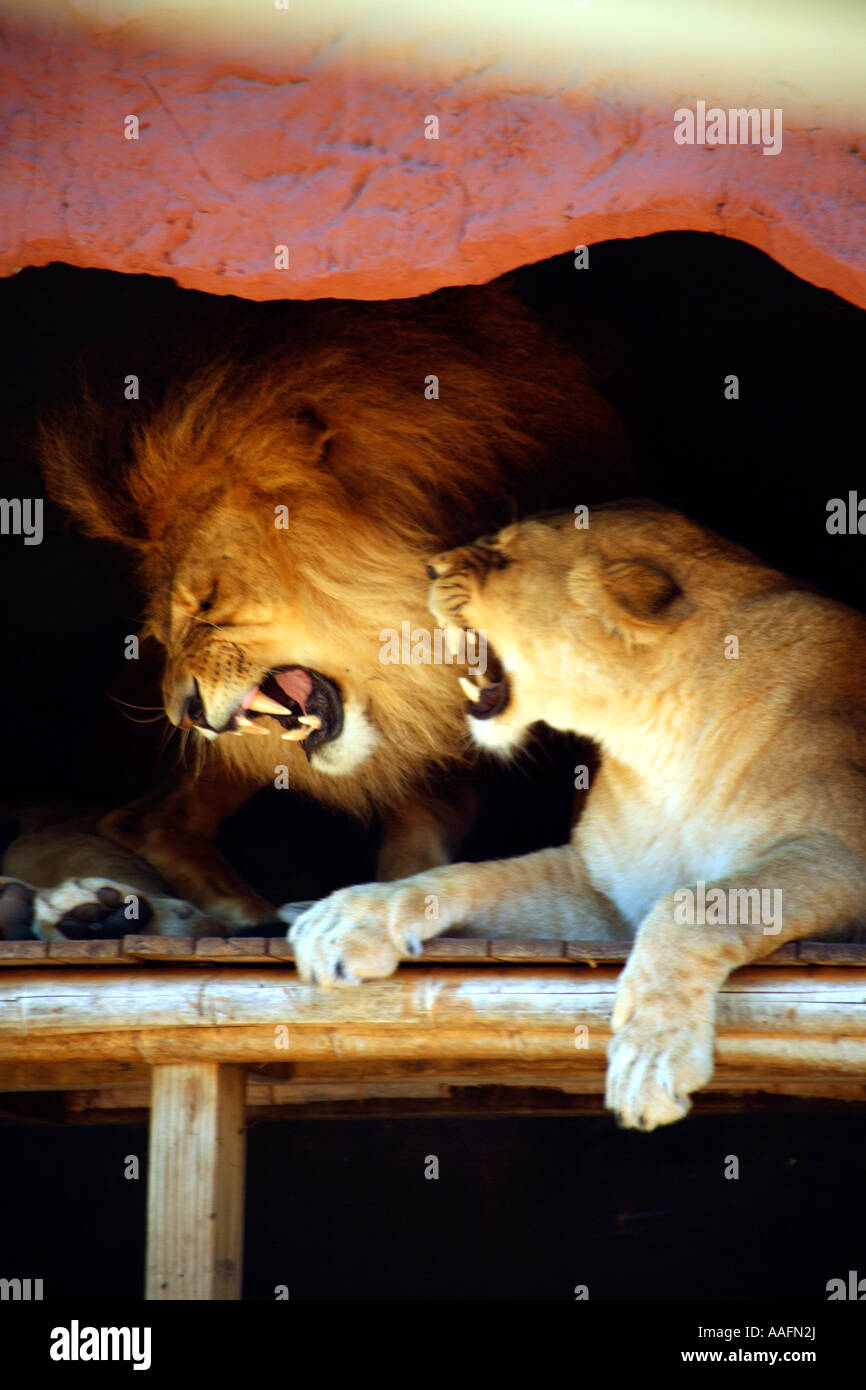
[487, 693]
[307, 706]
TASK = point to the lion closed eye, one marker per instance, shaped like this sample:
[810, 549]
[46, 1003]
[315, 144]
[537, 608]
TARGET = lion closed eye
[280, 503]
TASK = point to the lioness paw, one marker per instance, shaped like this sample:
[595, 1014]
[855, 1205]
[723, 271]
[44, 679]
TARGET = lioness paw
[662, 1050]
[356, 934]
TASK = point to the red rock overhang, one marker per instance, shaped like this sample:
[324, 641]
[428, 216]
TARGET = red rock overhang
[262, 127]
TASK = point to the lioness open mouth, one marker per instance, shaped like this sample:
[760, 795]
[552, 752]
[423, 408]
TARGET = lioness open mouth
[487, 693]
[307, 706]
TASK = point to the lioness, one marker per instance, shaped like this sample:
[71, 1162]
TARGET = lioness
[279, 505]
[729, 814]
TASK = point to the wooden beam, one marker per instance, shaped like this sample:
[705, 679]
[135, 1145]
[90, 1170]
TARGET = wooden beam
[72, 1076]
[737, 1056]
[549, 1092]
[787, 1023]
[132, 950]
[40, 1002]
[503, 1099]
[195, 1187]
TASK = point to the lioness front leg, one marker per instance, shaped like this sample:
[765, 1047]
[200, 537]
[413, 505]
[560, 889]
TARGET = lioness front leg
[664, 1014]
[363, 933]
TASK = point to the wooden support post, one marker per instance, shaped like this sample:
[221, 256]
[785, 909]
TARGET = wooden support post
[195, 1187]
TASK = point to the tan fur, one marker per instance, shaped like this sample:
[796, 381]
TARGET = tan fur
[742, 772]
[335, 426]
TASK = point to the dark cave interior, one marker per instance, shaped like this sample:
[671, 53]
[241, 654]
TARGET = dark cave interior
[661, 321]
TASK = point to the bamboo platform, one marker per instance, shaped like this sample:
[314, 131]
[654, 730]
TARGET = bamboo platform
[201, 1036]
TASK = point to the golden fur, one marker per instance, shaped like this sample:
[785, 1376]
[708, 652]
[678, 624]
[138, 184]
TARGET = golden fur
[730, 706]
[335, 426]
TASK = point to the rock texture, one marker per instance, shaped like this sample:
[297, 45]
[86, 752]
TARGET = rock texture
[264, 126]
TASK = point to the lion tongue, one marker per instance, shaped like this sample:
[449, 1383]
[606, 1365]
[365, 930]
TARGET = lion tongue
[296, 684]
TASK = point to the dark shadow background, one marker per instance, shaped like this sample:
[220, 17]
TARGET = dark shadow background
[661, 320]
[525, 1207]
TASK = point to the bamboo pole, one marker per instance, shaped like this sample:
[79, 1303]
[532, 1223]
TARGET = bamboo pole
[789, 1022]
[67, 1001]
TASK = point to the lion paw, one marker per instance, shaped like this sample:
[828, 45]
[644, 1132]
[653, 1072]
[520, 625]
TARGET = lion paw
[95, 909]
[662, 1050]
[16, 910]
[356, 934]
[79, 909]
[89, 909]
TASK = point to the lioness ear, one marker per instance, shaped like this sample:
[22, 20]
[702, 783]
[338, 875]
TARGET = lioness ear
[631, 596]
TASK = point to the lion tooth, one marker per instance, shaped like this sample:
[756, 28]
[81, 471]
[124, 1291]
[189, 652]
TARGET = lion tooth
[249, 726]
[312, 719]
[296, 734]
[469, 690]
[264, 705]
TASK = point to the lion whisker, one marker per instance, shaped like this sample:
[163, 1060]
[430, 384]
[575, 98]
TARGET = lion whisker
[148, 709]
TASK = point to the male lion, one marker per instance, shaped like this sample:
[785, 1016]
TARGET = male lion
[729, 814]
[280, 505]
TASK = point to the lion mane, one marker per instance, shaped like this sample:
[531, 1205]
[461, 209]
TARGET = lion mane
[388, 431]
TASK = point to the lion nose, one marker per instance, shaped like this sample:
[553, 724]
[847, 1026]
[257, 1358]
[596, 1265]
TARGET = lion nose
[192, 715]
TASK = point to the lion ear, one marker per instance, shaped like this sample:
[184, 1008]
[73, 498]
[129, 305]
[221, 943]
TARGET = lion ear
[317, 434]
[90, 484]
[632, 596]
